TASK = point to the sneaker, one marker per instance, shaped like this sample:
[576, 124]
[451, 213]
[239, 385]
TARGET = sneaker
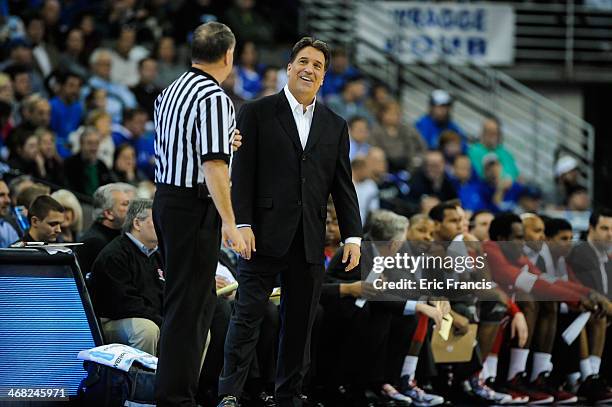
[477, 388]
[536, 397]
[265, 400]
[419, 397]
[229, 401]
[392, 393]
[595, 390]
[544, 384]
[517, 396]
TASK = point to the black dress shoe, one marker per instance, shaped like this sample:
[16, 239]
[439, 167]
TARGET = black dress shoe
[306, 402]
[229, 401]
[265, 400]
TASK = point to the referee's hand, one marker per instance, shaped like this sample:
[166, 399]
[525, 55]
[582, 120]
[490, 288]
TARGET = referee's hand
[233, 239]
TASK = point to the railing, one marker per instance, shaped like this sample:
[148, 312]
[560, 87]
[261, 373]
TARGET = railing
[535, 129]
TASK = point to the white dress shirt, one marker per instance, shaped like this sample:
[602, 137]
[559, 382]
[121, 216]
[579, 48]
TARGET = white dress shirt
[303, 121]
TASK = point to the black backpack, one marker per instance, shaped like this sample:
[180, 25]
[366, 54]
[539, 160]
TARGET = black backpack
[106, 386]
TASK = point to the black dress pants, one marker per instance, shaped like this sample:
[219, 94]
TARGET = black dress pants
[189, 232]
[300, 292]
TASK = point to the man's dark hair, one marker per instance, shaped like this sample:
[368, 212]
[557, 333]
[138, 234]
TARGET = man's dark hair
[15, 70]
[143, 60]
[355, 119]
[311, 42]
[501, 226]
[475, 215]
[42, 206]
[211, 41]
[62, 76]
[598, 213]
[437, 212]
[553, 226]
[129, 114]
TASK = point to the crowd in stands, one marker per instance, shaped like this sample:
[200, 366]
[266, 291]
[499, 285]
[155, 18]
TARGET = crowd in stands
[78, 81]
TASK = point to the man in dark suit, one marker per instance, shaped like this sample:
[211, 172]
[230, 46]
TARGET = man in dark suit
[294, 155]
[590, 260]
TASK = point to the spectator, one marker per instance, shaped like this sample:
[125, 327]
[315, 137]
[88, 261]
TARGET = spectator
[73, 58]
[450, 146]
[128, 282]
[248, 24]
[479, 224]
[497, 193]
[529, 200]
[379, 96]
[29, 194]
[191, 14]
[269, 82]
[110, 207]
[359, 134]
[118, 95]
[125, 58]
[27, 158]
[45, 216]
[97, 99]
[66, 110]
[578, 199]
[339, 71]
[84, 170]
[146, 91]
[20, 82]
[73, 215]
[393, 188]
[36, 113]
[438, 119]
[7, 93]
[491, 142]
[566, 179]
[102, 122]
[401, 143]
[21, 55]
[124, 168]
[248, 80]
[8, 233]
[45, 54]
[53, 165]
[349, 102]
[18, 185]
[366, 188]
[466, 184]
[50, 12]
[168, 65]
[431, 179]
[228, 86]
[134, 132]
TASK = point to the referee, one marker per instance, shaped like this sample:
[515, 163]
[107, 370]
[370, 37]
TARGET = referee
[194, 122]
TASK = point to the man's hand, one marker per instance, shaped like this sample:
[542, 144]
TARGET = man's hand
[232, 239]
[221, 282]
[351, 251]
[236, 140]
[249, 240]
[519, 328]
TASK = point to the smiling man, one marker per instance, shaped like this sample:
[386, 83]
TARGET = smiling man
[295, 153]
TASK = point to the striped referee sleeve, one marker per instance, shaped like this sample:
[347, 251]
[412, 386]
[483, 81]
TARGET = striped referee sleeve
[217, 129]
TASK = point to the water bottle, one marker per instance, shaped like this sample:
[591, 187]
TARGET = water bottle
[22, 219]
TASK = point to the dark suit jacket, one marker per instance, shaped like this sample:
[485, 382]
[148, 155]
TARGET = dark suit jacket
[74, 168]
[585, 263]
[275, 183]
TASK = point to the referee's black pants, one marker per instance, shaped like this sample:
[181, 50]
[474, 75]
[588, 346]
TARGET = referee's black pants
[188, 230]
[300, 291]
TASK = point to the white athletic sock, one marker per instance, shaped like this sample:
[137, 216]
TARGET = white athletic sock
[490, 367]
[409, 367]
[541, 363]
[518, 361]
[586, 369]
[595, 363]
[573, 378]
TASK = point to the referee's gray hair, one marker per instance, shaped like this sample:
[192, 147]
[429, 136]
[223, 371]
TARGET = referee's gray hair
[103, 198]
[386, 225]
[211, 41]
[138, 209]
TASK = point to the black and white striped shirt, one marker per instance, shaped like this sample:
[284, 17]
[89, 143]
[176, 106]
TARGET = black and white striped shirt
[194, 122]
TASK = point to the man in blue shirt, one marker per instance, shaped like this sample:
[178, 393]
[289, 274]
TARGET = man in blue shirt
[8, 234]
[66, 110]
[498, 193]
[439, 119]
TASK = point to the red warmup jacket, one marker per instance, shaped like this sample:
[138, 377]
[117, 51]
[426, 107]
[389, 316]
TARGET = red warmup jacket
[506, 274]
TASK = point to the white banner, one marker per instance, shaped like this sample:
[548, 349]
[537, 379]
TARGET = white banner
[430, 32]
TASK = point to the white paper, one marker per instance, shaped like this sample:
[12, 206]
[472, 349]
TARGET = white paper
[572, 331]
[118, 356]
